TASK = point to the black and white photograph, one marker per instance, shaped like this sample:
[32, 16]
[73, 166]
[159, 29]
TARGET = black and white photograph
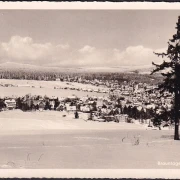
[89, 89]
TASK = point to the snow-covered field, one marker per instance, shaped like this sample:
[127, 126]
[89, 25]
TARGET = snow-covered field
[47, 88]
[49, 140]
[15, 121]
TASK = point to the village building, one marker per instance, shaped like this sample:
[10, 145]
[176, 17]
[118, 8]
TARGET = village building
[10, 104]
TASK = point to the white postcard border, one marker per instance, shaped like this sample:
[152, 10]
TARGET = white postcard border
[90, 173]
[90, 5]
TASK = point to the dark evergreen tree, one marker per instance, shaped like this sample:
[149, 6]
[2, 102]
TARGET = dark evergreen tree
[56, 103]
[170, 70]
[163, 116]
[2, 105]
[130, 111]
[125, 110]
[134, 112]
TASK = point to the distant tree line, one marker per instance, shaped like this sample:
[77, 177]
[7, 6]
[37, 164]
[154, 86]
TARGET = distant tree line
[63, 76]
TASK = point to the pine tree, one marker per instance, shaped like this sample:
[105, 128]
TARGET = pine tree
[170, 70]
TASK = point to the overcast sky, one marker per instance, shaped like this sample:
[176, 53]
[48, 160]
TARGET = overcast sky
[84, 38]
